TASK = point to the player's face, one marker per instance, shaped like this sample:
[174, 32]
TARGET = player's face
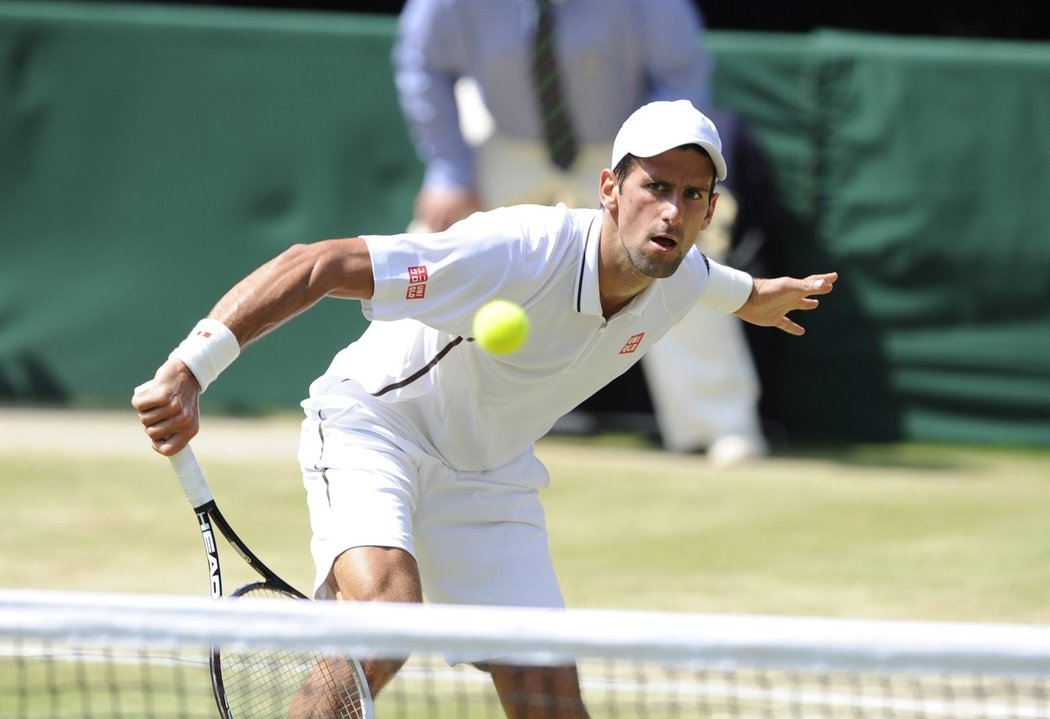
[661, 208]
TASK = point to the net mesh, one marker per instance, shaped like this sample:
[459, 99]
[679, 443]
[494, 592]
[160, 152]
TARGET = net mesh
[88, 655]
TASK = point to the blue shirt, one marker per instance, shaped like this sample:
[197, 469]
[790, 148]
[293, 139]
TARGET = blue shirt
[616, 55]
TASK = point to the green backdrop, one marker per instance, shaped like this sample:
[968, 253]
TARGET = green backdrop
[151, 156]
[919, 169]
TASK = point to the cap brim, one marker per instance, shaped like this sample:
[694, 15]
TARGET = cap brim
[658, 146]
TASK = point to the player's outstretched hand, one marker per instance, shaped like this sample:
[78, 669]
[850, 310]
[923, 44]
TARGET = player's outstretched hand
[169, 407]
[772, 299]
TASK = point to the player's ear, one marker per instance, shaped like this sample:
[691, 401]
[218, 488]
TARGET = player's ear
[710, 211]
[608, 190]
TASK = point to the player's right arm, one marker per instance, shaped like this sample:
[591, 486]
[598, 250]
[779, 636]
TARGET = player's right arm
[288, 284]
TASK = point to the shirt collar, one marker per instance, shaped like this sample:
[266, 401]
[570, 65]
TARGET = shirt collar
[586, 298]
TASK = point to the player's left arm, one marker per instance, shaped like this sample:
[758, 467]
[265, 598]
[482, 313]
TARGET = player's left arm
[772, 299]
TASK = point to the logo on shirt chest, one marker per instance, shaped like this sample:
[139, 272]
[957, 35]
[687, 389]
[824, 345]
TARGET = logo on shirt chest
[632, 343]
[417, 283]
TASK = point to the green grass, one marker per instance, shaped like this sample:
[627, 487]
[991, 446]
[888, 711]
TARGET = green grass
[105, 685]
[903, 531]
[912, 532]
[906, 532]
[121, 523]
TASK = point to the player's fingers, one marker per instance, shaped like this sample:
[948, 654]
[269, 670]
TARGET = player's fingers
[144, 397]
[154, 400]
[180, 422]
[787, 325]
[156, 408]
[160, 429]
[820, 284]
[172, 444]
[807, 303]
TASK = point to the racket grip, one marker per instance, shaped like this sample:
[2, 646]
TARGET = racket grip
[191, 477]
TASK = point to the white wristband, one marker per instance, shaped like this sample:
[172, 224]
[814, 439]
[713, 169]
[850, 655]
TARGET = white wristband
[207, 351]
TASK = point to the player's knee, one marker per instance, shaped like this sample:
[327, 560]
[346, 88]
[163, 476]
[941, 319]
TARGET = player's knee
[381, 574]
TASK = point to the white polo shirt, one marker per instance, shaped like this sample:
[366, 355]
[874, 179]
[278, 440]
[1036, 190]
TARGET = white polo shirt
[417, 367]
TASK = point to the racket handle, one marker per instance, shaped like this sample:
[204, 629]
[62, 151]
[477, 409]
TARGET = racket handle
[191, 477]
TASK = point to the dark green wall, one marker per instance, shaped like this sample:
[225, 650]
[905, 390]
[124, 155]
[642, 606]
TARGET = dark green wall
[919, 169]
[151, 156]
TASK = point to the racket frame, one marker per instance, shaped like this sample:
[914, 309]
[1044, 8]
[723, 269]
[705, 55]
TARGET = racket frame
[209, 518]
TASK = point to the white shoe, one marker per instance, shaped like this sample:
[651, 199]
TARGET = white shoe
[731, 449]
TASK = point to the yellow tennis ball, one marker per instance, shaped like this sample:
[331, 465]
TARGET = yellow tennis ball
[501, 327]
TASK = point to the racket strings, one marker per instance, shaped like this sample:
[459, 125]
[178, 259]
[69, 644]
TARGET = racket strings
[262, 683]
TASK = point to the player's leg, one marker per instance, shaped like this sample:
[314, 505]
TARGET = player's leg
[481, 539]
[360, 489]
[380, 574]
[386, 574]
[323, 692]
[540, 692]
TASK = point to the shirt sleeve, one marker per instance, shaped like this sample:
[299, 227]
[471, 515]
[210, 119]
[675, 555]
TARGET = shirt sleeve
[727, 288]
[440, 279]
[426, 67]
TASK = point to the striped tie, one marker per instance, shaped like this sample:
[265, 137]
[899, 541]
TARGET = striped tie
[554, 113]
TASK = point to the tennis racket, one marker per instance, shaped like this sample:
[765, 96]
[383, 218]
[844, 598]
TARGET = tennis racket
[267, 683]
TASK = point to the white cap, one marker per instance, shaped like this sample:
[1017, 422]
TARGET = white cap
[662, 126]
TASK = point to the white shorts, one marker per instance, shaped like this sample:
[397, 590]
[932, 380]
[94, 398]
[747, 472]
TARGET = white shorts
[478, 537]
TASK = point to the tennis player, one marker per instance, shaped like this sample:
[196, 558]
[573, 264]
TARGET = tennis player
[417, 450]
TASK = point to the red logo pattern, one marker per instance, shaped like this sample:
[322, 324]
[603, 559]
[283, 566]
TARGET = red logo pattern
[632, 343]
[417, 282]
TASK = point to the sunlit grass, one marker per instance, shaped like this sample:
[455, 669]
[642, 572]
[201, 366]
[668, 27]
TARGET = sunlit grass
[908, 531]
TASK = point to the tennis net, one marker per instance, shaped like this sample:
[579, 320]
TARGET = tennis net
[85, 655]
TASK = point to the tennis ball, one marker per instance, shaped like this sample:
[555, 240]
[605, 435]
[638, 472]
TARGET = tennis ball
[501, 326]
